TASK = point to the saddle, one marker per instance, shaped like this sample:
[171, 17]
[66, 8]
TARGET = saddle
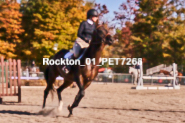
[69, 55]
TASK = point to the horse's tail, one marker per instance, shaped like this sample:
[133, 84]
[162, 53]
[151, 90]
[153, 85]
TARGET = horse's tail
[49, 84]
[46, 74]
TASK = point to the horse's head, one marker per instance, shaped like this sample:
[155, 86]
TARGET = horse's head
[101, 35]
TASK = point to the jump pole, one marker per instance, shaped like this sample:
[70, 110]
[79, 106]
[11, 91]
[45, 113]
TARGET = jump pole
[140, 85]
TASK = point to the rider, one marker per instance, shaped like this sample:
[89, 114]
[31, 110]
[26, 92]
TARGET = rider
[85, 32]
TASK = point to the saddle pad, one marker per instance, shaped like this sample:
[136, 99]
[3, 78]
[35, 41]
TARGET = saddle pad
[82, 43]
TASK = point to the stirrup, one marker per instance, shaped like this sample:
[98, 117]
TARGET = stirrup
[65, 70]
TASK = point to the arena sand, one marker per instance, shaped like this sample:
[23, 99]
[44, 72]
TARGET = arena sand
[103, 103]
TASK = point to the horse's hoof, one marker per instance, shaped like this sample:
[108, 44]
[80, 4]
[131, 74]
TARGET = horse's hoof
[70, 110]
[70, 115]
[60, 106]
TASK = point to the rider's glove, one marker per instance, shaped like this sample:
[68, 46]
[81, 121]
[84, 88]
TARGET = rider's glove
[87, 40]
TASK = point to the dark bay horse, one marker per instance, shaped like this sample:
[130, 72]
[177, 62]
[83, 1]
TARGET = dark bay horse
[82, 75]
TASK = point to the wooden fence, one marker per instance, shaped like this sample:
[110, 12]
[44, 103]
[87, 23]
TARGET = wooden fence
[10, 82]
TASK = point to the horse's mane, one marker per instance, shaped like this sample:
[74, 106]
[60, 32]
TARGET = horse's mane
[96, 36]
[103, 27]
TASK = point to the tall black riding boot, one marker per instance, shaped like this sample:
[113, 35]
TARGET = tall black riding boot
[67, 68]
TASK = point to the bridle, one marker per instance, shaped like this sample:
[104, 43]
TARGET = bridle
[103, 39]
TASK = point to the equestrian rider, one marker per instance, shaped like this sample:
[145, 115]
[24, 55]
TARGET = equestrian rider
[85, 32]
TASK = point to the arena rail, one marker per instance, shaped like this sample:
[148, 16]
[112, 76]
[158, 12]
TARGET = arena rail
[9, 86]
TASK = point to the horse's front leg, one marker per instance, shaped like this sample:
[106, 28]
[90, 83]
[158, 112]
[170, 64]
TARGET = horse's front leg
[80, 94]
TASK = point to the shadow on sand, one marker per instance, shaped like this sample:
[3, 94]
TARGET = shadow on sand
[21, 104]
[149, 110]
[51, 112]
[16, 112]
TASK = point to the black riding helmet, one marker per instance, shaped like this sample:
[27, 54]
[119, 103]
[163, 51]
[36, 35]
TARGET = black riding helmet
[92, 13]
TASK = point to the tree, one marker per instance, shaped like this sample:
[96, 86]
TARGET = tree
[174, 47]
[102, 10]
[124, 20]
[10, 28]
[49, 22]
[122, 24]
[154, 29]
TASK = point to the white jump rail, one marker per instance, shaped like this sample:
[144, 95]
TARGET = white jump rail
[155, 69]
[169, 68]
[140, 83]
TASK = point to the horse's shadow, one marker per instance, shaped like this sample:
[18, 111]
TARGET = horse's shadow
[53, 112]
[16, 112]
[21, 104]
[148, 110]
[50, 111]
[40, 113]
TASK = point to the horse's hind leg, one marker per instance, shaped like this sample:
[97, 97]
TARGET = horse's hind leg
[50, 79]
[46, 92]
[60, 89]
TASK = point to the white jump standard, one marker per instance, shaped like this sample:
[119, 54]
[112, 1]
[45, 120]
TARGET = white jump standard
[140, 83]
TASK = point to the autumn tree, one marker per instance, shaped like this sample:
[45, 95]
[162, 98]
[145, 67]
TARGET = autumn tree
[122, 24]
[154, 33]
[174, 46]
[157, 33]
[49, 22]
[10, 28]
[102, 11]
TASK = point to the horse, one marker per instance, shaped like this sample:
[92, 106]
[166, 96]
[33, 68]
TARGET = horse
[82, 75]
[135, 72]
[164, 72]
[171, 74]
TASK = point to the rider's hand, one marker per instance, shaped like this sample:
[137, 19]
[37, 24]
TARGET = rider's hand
[87, 40]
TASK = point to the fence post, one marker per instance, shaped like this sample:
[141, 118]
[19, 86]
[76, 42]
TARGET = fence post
[27, 73]
[19, 80]
[1, 100]
[6, 67]
[2, 73]
[14, 75]
[112, 77]
[10, 75]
